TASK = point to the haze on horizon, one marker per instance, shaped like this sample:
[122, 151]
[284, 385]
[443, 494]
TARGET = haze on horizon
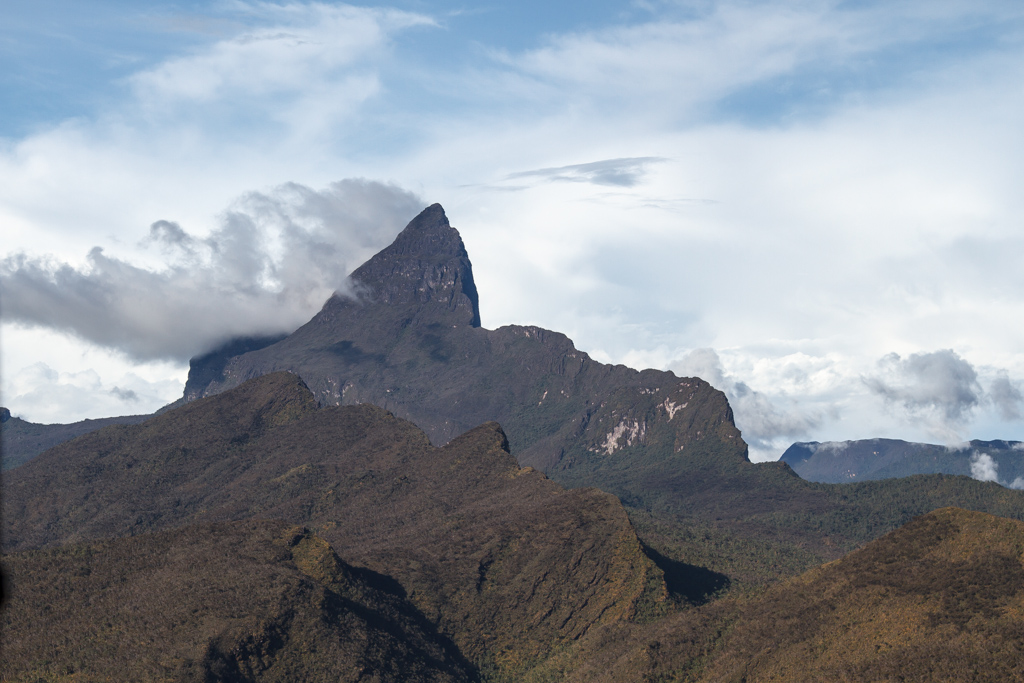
[813, 205]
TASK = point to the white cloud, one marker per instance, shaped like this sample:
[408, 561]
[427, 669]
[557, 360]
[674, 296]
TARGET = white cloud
[940, 385]
[768, 423]
[683, 64]
[39, 393]
[1005, 394]
[301, 45]
[984, 468]
[268, 268]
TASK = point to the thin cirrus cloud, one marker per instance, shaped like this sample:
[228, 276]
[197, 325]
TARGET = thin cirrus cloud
[304, 43]
[311, 66]
[684, 62]
[627, 172]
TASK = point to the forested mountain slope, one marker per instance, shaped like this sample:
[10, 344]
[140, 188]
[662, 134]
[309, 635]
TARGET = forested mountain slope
[237, 601]
[506, 563]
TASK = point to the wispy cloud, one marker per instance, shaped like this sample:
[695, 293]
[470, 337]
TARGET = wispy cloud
[690, 59]
[616, 172]
[299, 45]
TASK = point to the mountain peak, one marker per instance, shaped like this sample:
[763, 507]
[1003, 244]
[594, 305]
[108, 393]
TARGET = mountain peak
[426, 264]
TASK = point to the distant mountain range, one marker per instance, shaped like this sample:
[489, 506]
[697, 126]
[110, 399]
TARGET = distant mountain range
[343, 504]
[838, 462]
[20, 440]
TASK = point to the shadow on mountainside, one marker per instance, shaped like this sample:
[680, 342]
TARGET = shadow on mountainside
[690, 583]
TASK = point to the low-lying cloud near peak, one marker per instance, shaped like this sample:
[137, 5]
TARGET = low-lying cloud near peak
[763, 421]
[268, 266]
[985, 468]
[942, 389]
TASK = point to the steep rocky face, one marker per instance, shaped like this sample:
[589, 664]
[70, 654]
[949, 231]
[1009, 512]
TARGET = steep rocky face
[427, 265]
[411, 343]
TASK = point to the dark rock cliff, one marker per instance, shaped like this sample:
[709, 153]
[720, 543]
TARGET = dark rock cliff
[411, 342]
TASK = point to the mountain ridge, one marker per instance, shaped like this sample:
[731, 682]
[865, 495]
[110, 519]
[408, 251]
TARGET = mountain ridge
[505, 562]
[872, 459]
[21, 440]
[667, 446]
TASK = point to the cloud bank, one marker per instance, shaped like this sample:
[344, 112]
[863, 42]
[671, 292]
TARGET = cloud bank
[268, 267]
[941, 389]
[940, 382]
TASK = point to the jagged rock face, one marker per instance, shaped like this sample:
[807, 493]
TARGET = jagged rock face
[427, 265]
[411, 343]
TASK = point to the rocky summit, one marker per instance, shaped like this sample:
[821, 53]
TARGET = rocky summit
[409, 340]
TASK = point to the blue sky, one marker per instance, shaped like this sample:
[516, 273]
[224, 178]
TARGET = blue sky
[814, 205]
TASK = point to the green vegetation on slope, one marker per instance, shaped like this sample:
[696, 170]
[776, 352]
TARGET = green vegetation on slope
[508, 564]
[767, 524]
[252, 601]
[941, 599]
